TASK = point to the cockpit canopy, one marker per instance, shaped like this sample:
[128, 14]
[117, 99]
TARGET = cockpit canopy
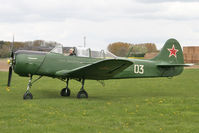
[83, 52]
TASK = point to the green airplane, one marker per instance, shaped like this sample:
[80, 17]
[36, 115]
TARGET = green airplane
[93, 65]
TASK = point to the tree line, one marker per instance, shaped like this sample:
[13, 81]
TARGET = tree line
[131, 50]
[118, 48]
[37, 45]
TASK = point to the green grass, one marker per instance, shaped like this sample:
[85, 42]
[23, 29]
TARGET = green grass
[158, 105]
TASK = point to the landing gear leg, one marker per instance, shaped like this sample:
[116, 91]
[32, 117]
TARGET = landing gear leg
[28, 95]
[82, 93]
[65, 92]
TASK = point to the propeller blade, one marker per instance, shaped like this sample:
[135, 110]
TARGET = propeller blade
[12, 55]
[12, 49]
[12, 45]
[9, 78]
[11, 65]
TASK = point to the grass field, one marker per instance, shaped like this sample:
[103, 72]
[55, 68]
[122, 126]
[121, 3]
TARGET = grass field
[123, 106]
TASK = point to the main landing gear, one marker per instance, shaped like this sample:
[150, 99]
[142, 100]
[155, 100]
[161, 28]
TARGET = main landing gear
[82, 93]
[65, 92]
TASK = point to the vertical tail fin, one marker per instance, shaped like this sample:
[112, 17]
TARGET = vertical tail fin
[170, 60]
[171, 53]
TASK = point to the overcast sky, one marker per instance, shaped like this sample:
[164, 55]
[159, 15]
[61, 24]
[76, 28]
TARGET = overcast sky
[101, 21]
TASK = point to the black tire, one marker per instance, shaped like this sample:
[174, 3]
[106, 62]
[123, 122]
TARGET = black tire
[82, 94]
[27, 96]
[65, 92]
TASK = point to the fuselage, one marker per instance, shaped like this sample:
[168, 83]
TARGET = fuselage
[47, 64]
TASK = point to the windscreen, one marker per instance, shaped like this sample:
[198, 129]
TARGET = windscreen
[58, 49]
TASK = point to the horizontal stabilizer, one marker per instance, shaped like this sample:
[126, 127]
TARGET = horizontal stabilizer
[174, 65]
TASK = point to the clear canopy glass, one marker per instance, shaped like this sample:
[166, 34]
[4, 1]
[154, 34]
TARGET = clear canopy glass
[58, 49]
[83, 52]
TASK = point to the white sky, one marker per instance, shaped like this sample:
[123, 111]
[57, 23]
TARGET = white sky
[101, 21]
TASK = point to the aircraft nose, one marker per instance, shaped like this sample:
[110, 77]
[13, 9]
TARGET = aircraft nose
[8, 61]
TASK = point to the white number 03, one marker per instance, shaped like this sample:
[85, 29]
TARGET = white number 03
[139, 69]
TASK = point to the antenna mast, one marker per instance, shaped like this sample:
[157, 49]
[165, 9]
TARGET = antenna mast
[84, 41]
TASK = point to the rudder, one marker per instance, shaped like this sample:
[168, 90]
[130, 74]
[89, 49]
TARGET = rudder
[171, 53]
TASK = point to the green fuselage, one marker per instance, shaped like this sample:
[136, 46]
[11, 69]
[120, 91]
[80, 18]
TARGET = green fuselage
[47, 64]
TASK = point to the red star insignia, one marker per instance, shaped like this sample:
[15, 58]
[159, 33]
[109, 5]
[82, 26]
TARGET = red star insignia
[173, 51]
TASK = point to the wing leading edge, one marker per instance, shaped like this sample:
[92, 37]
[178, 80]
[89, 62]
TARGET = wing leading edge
[103, 69]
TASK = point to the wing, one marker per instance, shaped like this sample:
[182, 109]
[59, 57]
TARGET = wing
[104, 69]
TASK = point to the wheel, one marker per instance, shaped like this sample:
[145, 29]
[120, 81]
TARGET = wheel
[82, 94]
[65, 92]
[27, 95]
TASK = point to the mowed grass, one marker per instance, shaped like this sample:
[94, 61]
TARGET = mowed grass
[158, 105]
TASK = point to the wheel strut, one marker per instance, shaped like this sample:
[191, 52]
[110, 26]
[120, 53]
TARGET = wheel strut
[83, 81]
[82, 93]
[28, 94]
[65, 92]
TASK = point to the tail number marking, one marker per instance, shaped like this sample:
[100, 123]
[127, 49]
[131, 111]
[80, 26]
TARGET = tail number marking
[139, 69]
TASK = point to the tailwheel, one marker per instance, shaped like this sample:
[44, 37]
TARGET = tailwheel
[82, 94]
[27, 95]
[65, 92]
